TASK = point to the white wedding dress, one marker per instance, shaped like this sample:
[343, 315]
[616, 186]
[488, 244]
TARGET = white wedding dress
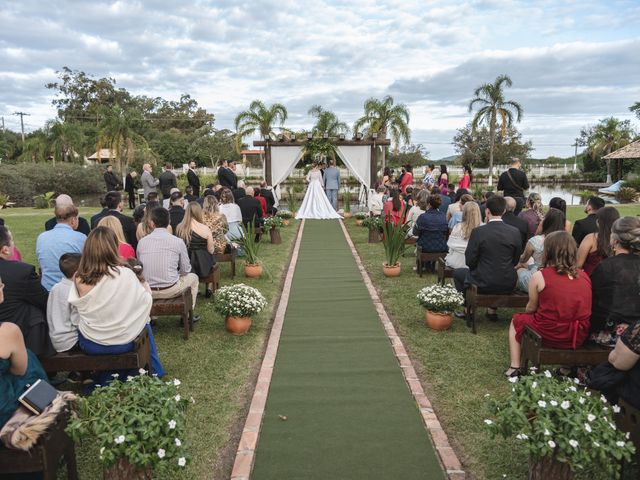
[315, 203]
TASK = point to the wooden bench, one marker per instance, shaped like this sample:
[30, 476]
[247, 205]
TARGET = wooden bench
[443, 271]
[473, 300]
[228, 257]
[45, 455]
[628, 420]
[213, 278]
[535, 354]
[423, 257]
[180, 305]
[140, 357]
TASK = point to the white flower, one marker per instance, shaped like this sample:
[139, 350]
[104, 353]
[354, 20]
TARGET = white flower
[177, 398]
[486, 395]
[612, 425]
[616, 409]
[534, 385]
[551, 443]
[627, 435]
[573, 443]
[533, 369]
[115, 375]
[142, 371]
[193, 400]
[591, 417]
[178, 442]
[542, 403]
[176, 382]
[161, 453]
[566, 404]
[172, 424]
[588, 393]
[553, 403]
[587, 427]
[603, 399]
[487, 421]
[547, 374]
[573, 389]
[513, 379]
[596, 444]
[129, 378]
[101, 451]
[620, 444]
[581, 400]
[182, 461]
[547, 432]
[522, 436]
[575, 380]
[119, 439]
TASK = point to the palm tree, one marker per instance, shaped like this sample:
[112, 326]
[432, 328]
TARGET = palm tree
[382, 117]
[609, 135]
[66, 139]
[327, 123]
[493, 107]
[35, 147]
[259, 119]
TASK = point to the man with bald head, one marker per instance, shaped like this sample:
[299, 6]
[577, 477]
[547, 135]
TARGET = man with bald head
[510, 218]
[149, 183]
[61, 201]
[250, 208]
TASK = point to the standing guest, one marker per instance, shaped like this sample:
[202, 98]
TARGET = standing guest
[216, 222]
[125, 250]
[456, 218]
[251, 208]
[534, 214]
[166, 261]
[113, 201]
[51, 245]
[428, 179]
[199, 241]
[232, 214]
[465, 181]
[587, 225]
[510, 218]
[420, 206]
[560, 204]
[62, 200]
[226, 177]
[331, 177]
[559, 304]
[193, 179]
[110, 180]
[262, 200]
[130, 188]
[431, 227]
[387, 177]
[616, 290]
[597, 246]
[376, 201]
[455, 206]
[407, 179]
[25, 300]
[459, 237]
[189, 196]
[268, 193]
[513, 182]
[394, 208]
[176, 209]
[167, 181]
[62, 317]
[149, 183]
[443, 180]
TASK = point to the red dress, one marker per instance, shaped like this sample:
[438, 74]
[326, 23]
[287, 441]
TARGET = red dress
[592, 261]
[396, 216]
[564, 309]
[407, 180]
[465, 182]
[126, 251]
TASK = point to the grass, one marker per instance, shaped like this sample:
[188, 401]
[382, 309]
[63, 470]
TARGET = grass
[457, 368]
[215, 368]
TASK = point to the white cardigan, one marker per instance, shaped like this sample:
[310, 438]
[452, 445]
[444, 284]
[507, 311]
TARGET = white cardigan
[115, 310]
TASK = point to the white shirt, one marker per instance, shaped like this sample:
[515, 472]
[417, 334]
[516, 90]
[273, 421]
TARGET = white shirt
[231, 211]
[62, 317]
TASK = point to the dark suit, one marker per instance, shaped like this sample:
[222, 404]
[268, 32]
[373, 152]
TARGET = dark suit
[111, 181]
[523, 227]
[98, 216]
[194, 181]
[227, 178]
[238, 193]
[167, 181]
[584, 227]
[271, 201]
[130, 188]
[176, 215]
[251, 210]
[25, 304]
[514, 188]
[128, 227]
[492, 252]
[83, 225]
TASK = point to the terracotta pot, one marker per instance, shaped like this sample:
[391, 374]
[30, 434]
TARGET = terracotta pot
[374, 236]
[358, 221]
[237, 325]
[252, 270]
[285, 221]
[347, 214]
[546, 467]
[391, 271]
[274, 234]
[437, 321]
[123, 470]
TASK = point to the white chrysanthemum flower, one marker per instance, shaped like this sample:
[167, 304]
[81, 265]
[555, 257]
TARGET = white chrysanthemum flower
[546, 432]
[547, 374]
[573, 443]
[177, 398]
[542, 403]
[176, 382]
[142, 371]
[115, 375]
[551, 443]
[487, 421]
[172, 424]
[553, 403]
[620, 443]
[581, 400]
[616, 409]
[591, 417]
[161, 453]
[522, 436]
[513, 379]
[596, 444]
[587, 427]
[565, 405]
[573, 389]
[534, 385]
[182, 462]
[178, 442]
[119, 439]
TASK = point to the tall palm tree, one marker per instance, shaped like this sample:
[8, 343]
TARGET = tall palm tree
[493, 108]
[66, 140]
[383, 117]
[35, 148]
[327, 123]
[609, 135]
[259, 118]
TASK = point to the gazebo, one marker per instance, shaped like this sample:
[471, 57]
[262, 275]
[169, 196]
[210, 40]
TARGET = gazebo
[101, 156]
[629, 152]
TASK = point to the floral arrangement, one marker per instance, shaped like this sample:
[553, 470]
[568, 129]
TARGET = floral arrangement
[140, 420]
[239, 300]
[372, 223]
[440, 298]
[557, 418]
[286, 214]
[273, 222]
[360, 215]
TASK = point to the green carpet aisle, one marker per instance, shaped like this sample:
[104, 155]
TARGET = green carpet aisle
[349, 413]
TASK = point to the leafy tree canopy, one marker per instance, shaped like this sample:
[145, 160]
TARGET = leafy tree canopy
[473, 146]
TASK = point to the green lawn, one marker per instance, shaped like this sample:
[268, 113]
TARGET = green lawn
[457, 368]
[215, 368]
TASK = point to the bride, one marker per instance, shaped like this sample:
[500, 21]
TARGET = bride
[315, 203]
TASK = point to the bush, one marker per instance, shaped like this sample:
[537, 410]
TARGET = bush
[626, 194]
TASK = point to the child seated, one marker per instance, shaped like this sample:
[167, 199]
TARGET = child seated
[62, 317]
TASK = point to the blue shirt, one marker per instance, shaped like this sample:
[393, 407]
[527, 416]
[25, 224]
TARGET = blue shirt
[51, 245]
[431, 229]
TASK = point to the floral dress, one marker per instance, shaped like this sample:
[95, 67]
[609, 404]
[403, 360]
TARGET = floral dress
[524, 276]
[217, 223]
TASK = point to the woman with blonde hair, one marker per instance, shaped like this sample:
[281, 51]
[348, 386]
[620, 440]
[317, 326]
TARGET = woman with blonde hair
[459, 237]
[144, 228]
[534, 213]
[125, 250]
[216, 222]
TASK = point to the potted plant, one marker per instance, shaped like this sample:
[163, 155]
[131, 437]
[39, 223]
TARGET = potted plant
[138, 423]
[273, 224]
[360, 216]
[440, 301]
[251, 246]
[285, 215]
[374, 224]
[393, 237]
[238, 303]
[346, 203]
[565, 429]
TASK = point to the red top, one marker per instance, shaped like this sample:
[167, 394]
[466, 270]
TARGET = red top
[16, 255]
[592, 261]
[465, 182]
[407, 180]
[126, 251]
[396, 216]
[263, 204]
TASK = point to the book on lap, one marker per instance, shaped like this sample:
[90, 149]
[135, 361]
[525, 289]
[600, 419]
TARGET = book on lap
[38, 397]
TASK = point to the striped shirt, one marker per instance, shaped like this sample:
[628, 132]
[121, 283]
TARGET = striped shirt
[164, 257]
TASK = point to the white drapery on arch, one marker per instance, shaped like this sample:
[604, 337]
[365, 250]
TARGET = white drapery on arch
[283, 160]
[357, 158]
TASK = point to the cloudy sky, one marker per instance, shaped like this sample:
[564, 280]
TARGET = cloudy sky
[572, 62]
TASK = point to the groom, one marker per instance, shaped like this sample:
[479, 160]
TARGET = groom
[331, 177]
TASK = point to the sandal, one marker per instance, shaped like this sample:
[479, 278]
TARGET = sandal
[513, 372]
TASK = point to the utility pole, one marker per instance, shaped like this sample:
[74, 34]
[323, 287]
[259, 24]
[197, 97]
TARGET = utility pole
[575, 157]
[22, 114]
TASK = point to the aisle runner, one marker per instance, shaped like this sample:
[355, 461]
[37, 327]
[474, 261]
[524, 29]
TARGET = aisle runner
[338, 406]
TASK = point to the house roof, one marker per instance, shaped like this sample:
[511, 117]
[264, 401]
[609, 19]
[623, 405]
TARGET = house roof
[105, 154]
[631, 151]
[252, 152]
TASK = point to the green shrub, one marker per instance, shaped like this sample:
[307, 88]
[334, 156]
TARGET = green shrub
[633, 183]
[626, 194]
[43, 201]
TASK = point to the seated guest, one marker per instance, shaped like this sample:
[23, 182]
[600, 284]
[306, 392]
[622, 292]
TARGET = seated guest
[420, 206]
[445, 201]
[455, 206]
[456, 218]
[534, 214]
[615, 283]
[459, 237]
[492, 252]
[262, 200]
[25, 299]
[268, 194]
[216, 222]
[153, 197]
[250, 208]
[239, 192]
[559, 304]
[125, 250]
[624, 358]
[560, 204]
[112, 305]
[199, 241]
[188, 194]
[376, 201]
[62, 200]
[553, 222]
[52, 244]
[394, 208]
[16, 253]
[587, 225]
[596, 246]
[483, 204]
[408, 197]
[113, 201]
[63, 318]
[451, 191]
[431, 227]
[143, 229]
[232, 214]
[511, 219]
[98, 216]
[176, 209]
[166, 260]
